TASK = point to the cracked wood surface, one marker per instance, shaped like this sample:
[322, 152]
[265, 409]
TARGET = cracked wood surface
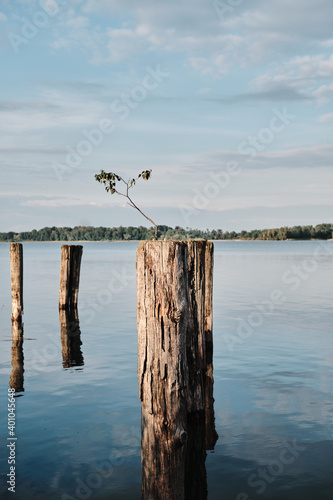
[16, 272]
[69, 276]
[174, 320]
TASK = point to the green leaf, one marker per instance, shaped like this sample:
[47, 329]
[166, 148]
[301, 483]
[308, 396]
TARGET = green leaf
[146, 174]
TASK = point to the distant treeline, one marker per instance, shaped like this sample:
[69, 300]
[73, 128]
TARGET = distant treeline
[82, 233]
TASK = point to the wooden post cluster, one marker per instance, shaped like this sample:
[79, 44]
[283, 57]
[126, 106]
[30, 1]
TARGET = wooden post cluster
[68, 298]
[16, 272]
[69, 276]
[174, 320]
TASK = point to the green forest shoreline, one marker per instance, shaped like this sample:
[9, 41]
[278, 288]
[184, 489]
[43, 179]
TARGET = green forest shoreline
[90, 233]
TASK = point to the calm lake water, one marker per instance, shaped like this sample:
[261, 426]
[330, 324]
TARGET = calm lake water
[78, 421]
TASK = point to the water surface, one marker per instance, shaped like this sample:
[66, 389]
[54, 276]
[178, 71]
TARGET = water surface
[78, 423]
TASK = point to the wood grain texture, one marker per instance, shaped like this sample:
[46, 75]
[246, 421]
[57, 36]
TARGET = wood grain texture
[174, 320]
[71, 256]
[16, 273]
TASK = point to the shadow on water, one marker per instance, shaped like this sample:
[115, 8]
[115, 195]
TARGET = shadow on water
[16, 377]
[70, 335]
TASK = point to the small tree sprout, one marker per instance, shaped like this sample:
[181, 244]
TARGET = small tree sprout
[110, 180]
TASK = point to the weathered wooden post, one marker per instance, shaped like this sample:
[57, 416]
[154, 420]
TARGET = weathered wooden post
[69, 276]
[172, 363]
[70, 336]
[16, 271]
[16, 376]
[200, 284]
[162, 319]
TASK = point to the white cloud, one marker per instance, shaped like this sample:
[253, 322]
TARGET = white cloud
[302, 73]
[298, 71]
[110, 6]
[204, 91]
[290, 159]
[251, 34]
[78, 22]
[72, 31]
[324, 93]
[123, 43]
[3, 17]
[214, 66]
[327, 118]
[308, 68]
[65, 111]
[58, 202]
[294, 21]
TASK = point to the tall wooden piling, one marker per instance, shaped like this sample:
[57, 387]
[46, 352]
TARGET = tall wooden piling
[16, 272]
[174, 317]
[69, 276]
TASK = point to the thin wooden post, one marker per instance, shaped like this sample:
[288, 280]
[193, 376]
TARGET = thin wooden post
[17, 362]
[69, 276]
[16, 271]
[173, 317]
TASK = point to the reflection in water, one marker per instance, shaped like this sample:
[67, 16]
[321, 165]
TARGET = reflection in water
[203, 436]
[211, 435]
[70, 335]
[173, 453]
[16, 376]
[173, 465]
[195, 469]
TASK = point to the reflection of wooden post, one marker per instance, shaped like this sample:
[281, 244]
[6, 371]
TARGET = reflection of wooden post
[171, 311]
[16, 376]
[70, 336]
[195, 468]
[16, 268]
[69, 276]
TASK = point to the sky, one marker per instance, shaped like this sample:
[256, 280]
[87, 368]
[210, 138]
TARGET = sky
[228, 102]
